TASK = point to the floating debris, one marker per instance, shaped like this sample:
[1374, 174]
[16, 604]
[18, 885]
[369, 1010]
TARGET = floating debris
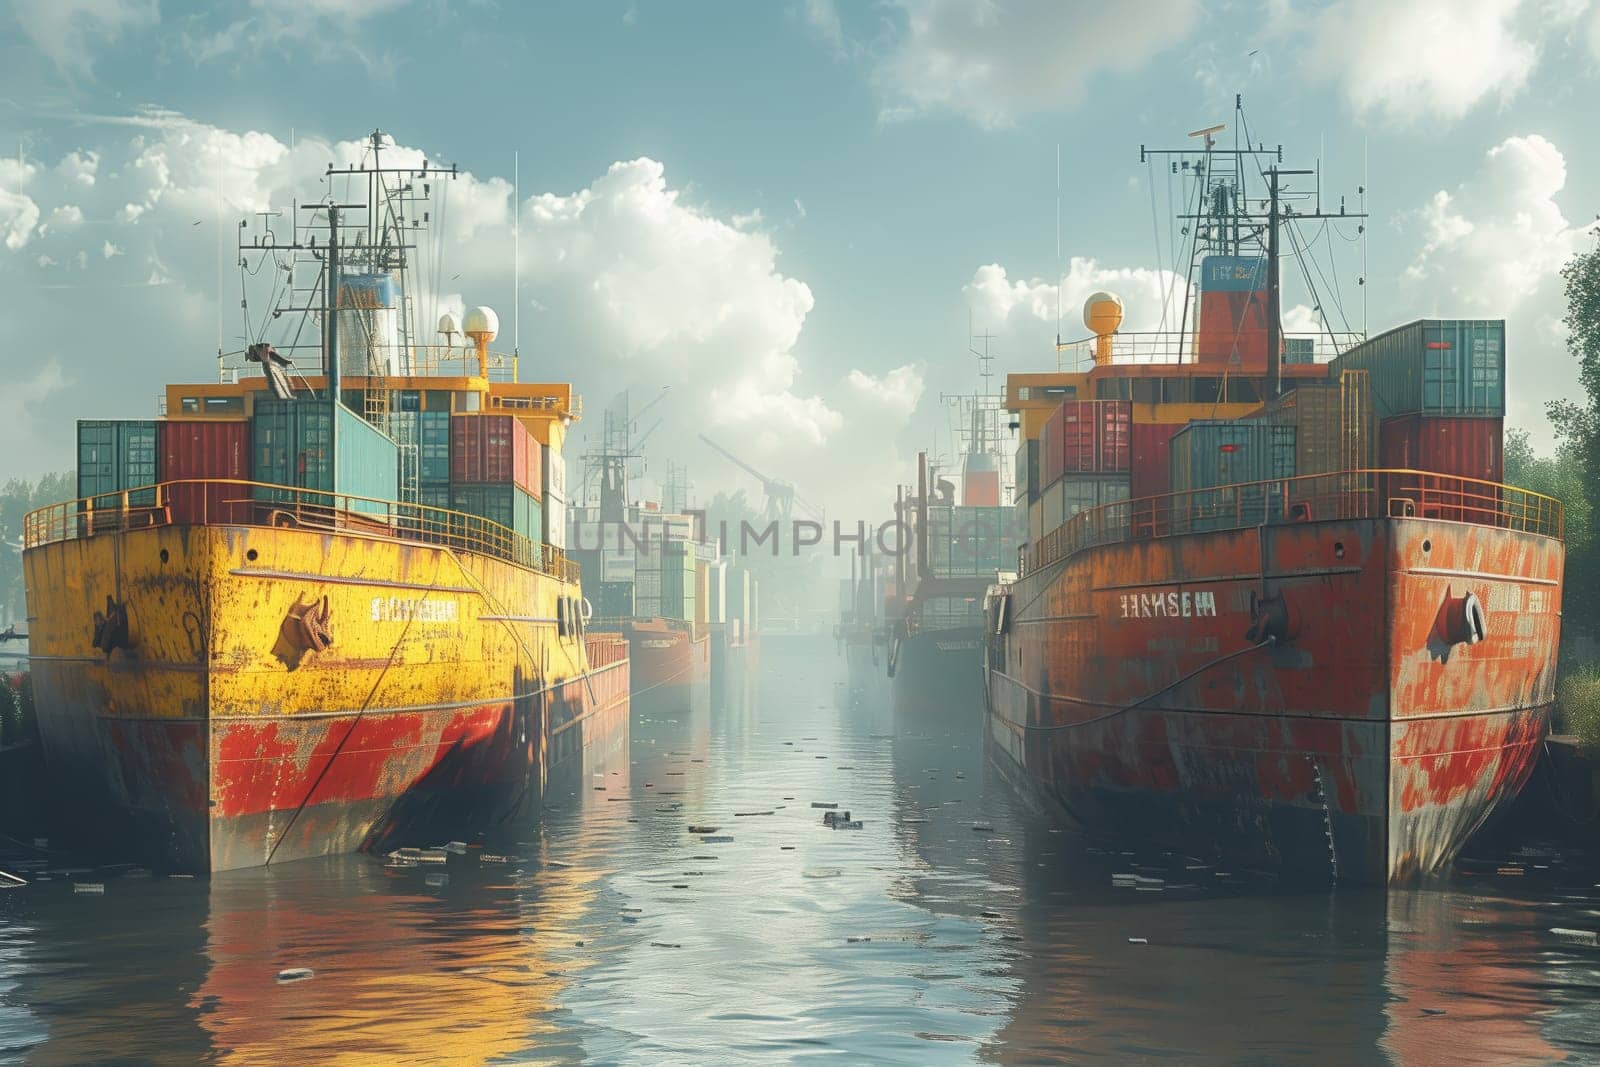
[665, 944]
[436, 879]
[822, 872]
[982, 828]
[1590, 938]
[856, 939]
[1138, 941]
[295, 974]
[89, 889]
[820, 804]
[717, 839]
[744, 813]
[847, 824]
[695, 828]
[831, 817]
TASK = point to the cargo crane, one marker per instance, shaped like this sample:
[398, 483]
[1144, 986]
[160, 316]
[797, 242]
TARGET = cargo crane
[781, 497]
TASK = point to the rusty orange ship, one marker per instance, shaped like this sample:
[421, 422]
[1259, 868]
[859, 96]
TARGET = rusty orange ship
[1276, 607]
[305, 614]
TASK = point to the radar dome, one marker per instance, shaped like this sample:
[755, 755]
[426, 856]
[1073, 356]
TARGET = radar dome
[447, 324]
[1102, 313]
[482, 324]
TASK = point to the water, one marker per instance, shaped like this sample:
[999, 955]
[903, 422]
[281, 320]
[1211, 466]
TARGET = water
[615, 936]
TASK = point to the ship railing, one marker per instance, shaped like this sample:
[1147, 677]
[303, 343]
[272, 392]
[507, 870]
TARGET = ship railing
[233, 502]
[1353, 494]
[1167, 346]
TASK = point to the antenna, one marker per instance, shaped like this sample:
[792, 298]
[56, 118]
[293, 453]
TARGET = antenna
[516, 261]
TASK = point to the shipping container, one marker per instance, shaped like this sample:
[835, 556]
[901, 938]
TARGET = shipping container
[323, 445]
[1027, 472]
[1086, 437]
[434, 496]
[1335, 428]
[1079, 493]
[555, 471]
[509, 505]
[425, 436]
[494, 449]
[115, 455]
[193, 448]
[967, 541]
[1435, 367]
[1151, 471]
[555, 521]
[613, 600]
[1208, 454]
[1461, 447]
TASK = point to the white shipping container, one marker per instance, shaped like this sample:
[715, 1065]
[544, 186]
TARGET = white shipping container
[555, 520]
[555, 473]
[615, 568]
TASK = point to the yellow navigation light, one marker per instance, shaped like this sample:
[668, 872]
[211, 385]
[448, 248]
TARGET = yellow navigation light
[1102, 314]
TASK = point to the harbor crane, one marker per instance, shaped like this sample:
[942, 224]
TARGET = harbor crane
[781, 497]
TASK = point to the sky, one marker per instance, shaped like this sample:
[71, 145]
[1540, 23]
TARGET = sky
[795, 215]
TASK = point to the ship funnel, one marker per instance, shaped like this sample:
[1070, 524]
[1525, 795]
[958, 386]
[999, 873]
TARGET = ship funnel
[482, 326]
[1102, 314]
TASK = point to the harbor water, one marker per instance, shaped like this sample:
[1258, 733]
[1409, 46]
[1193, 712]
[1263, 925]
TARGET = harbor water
[955, 925]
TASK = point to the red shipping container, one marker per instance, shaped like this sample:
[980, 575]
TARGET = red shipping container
[192, 448]
[1152, 444]
[495, 449]
[1095, 436]
[1457, 446]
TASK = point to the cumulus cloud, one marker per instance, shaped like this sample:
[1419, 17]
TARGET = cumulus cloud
[1498, 237]
[1151, 299]
[671, 290]
[1411, 61]
[625, 283]
[993, 61]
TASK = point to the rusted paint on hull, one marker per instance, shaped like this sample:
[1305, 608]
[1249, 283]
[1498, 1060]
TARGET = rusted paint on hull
[448, 688]
[1127, 690]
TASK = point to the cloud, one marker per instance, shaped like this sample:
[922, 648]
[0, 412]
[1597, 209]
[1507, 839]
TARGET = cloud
[79, 167]
[991, 61]
[69, 32]
[19, 214]
[1151, 299]
[1414, 61]
[626, 283]
[896, 392]
[1495, 240]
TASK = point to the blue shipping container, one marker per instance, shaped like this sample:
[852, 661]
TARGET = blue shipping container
[317, 444]
[1434, 367]
[115, 455]
[1208, 454]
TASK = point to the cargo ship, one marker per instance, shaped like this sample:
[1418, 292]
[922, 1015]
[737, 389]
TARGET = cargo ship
[1276, 607]
[953, 553]
[661, 582]
[301, 614]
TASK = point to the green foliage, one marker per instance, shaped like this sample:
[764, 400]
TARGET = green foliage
[17, 722]
[17, 498]
[1577, 424]
[1577, 708]
[1560, 476]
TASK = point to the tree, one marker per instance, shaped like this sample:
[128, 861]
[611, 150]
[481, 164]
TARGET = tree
[1577, 424]
[17, 498]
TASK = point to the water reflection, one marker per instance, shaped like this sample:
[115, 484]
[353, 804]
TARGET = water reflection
[953, 926]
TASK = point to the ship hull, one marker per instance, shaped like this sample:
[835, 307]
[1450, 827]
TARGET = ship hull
[939, 671]
[670, 663]
[1362, 744]
[443, 706]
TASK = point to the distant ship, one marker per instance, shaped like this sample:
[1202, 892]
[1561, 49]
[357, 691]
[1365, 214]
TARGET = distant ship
[954, 553]
[1273, 609]
[306, 614]
[663, 583]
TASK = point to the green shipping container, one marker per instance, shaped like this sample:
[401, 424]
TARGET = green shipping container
[434, 496]
[503, 503]
[613, 600]
[677, 581]
[1205, 455]
[1435, 367]
[427, 435]
[115, 455]
[317, 444]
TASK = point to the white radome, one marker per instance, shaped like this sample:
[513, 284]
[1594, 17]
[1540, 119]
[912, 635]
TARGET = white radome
[447, 324]
[482, 324]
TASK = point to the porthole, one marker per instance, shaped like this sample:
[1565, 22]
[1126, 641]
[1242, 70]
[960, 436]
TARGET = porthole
[164, 556]
[250, 555]
[1427, 546]
[1338, 550]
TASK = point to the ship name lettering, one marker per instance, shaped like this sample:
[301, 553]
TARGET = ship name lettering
[1176, 604]
[405, 609]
